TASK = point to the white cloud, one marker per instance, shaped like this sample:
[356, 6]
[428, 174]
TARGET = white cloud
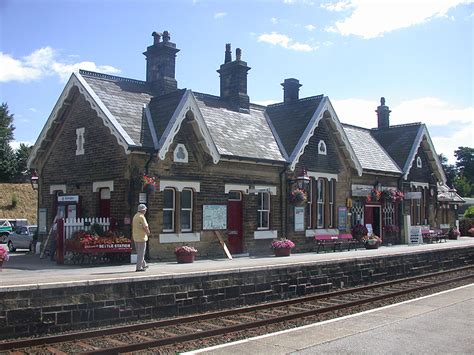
[16, 144]
[284, 41]
[310, 27]
[371, 19]
[32, 109]
[219, 15]
[433, 112]
[338, 6]
[274, 20]
[266, 102]
[44, 62]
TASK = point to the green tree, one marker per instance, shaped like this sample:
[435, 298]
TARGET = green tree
[7, 157]
[22, 154]
[449, 170]
[465, 162]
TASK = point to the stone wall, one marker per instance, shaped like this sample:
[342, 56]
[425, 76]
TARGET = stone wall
[36, 310]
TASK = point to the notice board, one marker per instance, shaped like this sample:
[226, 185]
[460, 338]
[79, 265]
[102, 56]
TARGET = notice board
[342, 218]
[214, 217]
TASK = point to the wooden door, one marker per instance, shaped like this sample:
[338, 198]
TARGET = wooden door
[234, 222]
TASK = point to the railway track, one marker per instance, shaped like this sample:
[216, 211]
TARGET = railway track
[169, 335]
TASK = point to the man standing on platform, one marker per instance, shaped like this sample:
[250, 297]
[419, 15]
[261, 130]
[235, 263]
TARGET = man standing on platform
[140, 232]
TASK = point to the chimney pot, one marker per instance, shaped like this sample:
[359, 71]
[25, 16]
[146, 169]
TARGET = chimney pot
[238, 54]
[166, 37]
[156, 37]
[291, 88]
[383, 115]
[228, 54]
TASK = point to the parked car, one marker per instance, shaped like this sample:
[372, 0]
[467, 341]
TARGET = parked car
[5, 229]
[21, 238]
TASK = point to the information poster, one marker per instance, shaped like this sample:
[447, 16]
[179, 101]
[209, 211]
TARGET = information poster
[342, 218]
[42, 220]
[415, 235]
[214, 217]
[299, 219]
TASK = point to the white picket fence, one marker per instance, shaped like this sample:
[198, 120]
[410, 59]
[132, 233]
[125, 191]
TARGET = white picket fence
[72, 225]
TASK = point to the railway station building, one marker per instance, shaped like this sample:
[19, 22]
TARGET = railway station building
[205, 163]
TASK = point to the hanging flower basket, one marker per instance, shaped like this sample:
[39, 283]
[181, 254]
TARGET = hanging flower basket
[298, 197]
[149, 183]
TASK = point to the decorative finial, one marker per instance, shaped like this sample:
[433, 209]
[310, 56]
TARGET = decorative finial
[382, 101]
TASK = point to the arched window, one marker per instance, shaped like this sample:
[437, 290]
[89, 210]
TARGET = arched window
[80, 141]
[322, 148]
[418, 162]
[180, 154]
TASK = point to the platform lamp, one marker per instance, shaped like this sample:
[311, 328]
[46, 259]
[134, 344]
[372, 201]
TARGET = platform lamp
[303, 180]
[34, 180]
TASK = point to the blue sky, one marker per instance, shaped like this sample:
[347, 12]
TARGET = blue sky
[418, 54]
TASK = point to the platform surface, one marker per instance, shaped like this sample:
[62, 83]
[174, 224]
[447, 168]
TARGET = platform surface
[436, 324]
[27, 270]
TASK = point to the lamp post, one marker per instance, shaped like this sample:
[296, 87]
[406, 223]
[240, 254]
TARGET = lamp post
[34, 180]
[303, 180]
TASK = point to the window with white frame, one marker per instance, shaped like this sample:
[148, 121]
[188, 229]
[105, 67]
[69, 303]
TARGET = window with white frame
[418, 162]
[180, 154]
[80, 141]
[331, 203]
[263, 210]
[322, 148]
[320, 202]
[186, 206]
[169, 199]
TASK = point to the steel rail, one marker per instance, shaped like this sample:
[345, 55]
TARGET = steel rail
[15, 344]
[255, 324]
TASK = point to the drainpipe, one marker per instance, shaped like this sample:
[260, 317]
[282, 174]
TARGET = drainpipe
[147, 164]
[283, 209]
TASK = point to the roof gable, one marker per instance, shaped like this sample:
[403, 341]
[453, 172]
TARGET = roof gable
[402, 143]
[124, 99]
[313, 110]
[77, 81]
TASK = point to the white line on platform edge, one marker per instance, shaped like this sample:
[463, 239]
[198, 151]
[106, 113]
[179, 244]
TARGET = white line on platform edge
[319, 323]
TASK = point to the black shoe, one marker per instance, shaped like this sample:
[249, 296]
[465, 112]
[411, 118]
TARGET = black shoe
[146, 267]
[140, 270]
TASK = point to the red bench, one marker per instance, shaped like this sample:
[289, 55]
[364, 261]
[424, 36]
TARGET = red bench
[335, 241]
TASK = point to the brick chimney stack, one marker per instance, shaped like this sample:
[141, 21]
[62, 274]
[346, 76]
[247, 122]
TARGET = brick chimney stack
[160, 64]
[383, 115]
[233, 75]
[291, 89]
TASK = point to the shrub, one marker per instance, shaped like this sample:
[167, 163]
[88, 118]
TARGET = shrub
[465, 224]
[14, 201]
[97, 229]
[469, 213]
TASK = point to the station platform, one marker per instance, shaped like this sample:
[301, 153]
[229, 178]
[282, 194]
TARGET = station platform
[27, 270]
[441, 323]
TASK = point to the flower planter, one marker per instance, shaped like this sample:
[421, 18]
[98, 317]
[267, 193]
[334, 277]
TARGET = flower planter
[282, 251]
[185, 258]
[371, 246]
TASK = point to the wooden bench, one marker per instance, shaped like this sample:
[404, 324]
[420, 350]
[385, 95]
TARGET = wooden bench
[335, 241]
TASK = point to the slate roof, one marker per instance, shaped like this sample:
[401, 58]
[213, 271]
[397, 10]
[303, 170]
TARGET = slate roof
[369, 152]
[291, 119]
[162, 109]
[398, 140]
[124, 98]
[238, 134]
